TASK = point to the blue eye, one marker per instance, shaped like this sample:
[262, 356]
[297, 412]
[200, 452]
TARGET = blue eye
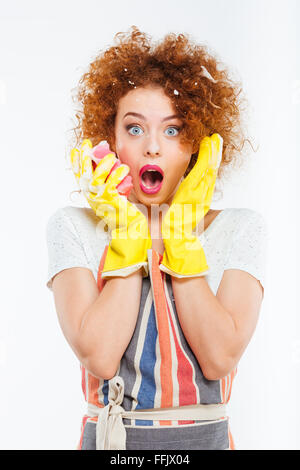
[129, 128]
[134, 129]
[172, 128]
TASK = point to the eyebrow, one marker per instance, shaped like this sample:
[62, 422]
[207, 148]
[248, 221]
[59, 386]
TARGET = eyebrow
[173, 116]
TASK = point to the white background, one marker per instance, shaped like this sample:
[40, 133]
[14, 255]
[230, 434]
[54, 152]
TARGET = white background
[45, 48]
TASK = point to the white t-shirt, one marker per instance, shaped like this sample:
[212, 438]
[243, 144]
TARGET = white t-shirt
[235, 239]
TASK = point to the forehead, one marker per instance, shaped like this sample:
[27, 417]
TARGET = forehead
[145, 99]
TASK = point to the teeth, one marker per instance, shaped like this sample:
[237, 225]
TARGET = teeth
[151, 170]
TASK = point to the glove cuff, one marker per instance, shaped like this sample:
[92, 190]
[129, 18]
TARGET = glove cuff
[184, 259]
[124, 257]
[124, 272]
[180, 275]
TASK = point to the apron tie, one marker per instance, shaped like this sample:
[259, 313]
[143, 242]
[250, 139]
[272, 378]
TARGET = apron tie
[110, 430]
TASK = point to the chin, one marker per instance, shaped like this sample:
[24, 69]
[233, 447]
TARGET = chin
[149, 199]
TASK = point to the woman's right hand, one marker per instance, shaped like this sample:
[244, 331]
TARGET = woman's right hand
[130, 236]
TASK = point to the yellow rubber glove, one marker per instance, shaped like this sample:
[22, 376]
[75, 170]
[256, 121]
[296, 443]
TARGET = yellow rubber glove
[184, 255]
[130, 235]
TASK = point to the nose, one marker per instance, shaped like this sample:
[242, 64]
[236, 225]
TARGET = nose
[151, 153]
[152, 147]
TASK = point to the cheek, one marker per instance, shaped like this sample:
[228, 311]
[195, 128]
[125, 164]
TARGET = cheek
[182, 159]
[185, 157]
[125, 155]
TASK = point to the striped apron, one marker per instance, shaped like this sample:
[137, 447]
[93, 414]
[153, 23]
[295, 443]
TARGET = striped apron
[159, 399]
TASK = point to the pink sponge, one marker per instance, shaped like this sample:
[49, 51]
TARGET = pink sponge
[99, 152]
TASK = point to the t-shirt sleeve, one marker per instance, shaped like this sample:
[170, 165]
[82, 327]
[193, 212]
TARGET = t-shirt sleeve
[65, 249]
[248, 250]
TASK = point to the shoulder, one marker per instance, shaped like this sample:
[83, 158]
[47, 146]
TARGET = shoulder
[249, 234]
[73, 216]
[242, 213]
[247, 249]
[72, 212]
[77, 223]
[233, 221]
[244, 219]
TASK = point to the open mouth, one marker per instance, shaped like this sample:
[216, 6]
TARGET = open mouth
[151, 179]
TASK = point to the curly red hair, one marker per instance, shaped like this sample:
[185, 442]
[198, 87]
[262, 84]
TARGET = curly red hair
[202, 93]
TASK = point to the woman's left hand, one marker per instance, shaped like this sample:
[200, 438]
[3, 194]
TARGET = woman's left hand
[184, 255]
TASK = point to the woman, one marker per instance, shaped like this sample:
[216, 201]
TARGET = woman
[157, 295]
